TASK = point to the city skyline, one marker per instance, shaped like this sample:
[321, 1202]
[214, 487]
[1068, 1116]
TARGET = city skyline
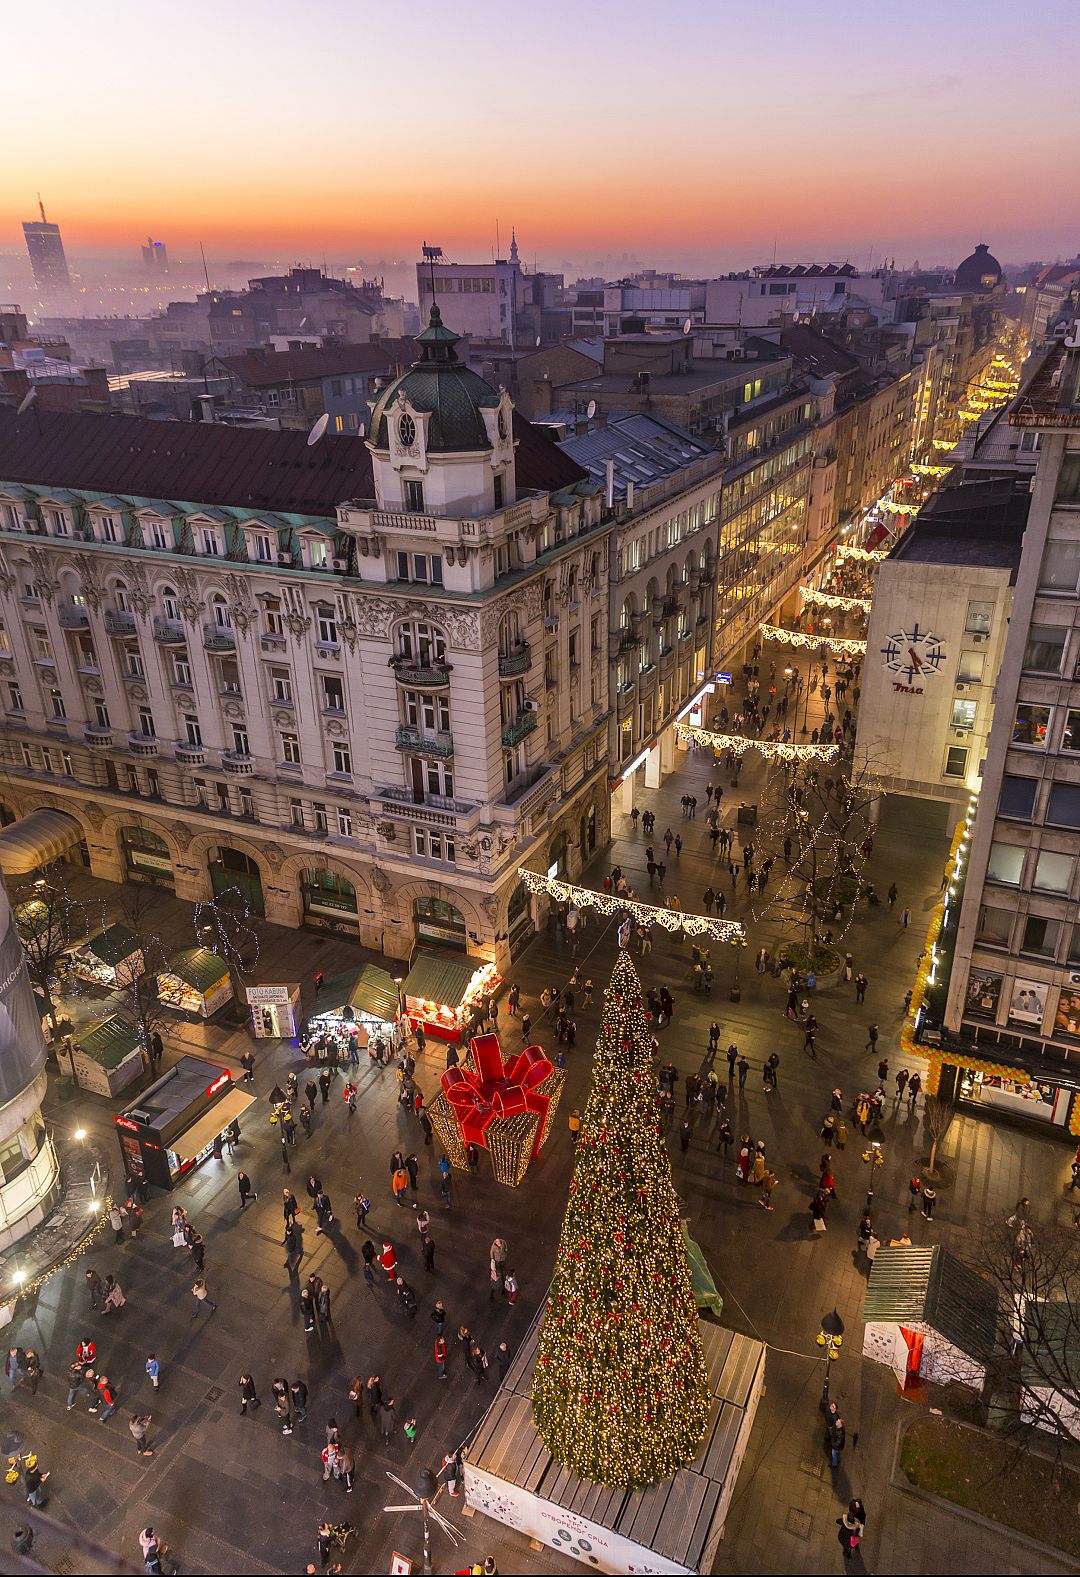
[872, 137]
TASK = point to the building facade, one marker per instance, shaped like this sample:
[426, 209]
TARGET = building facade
[1014, 986]
[48, 259]
[362, 682]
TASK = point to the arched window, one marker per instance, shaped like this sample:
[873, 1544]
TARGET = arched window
[122, 597]
[222, 615]
[170, 602]
[325, 892]
[421, 643]
[626, 618]
[438, 921]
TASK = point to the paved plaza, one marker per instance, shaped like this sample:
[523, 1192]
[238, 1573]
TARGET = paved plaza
[231, 1494]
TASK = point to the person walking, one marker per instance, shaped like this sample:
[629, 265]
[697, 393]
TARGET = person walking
[201, 1297]
[929, 1195]
[153, 1371]
[139, 1424]
[850, 1530]
[498, 1255]
[399, 1183]
[427, 1248]
[248, 1396]
[914, 1086]
[861, 984]
[106, 1399]
[871, 1037]
[298, 1397]
[114, 1296]
[440, 1356]
[245, 1188]
[901, 1081]
[477, 1362]
[744, 1068]
[837, 1440]
[905, 918]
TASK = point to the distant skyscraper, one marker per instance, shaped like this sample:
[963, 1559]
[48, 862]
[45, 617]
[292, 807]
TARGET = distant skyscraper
[46, 252]
[155, 255]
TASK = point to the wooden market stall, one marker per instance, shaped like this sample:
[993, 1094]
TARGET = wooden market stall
[106, 1057]
[196, 981]
[928, 1317]
[112, 958]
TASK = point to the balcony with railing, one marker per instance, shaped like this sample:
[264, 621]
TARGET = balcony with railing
[119, 622]
[72, 617]
[522, 725]
[519, 661]
[239, 762]
[169, 632]
[411, 741]
[98, 738]
[189, 755]
[218, 638]
[421, 676]
[144, 745]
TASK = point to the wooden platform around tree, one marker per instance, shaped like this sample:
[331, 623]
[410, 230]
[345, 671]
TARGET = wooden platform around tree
[673, 1526]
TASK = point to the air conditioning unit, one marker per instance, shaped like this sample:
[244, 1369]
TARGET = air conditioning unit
[531, 705]
[1074, 979]
[551, 624]
[737, 353]
[977, 637]
[340, 566]
[285, 558]
[960, 685]
[959, 732]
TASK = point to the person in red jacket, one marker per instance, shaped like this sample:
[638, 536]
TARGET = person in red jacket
[388, 1261]
[440, 1356]
[106, 1403]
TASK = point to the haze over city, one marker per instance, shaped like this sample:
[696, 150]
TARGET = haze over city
[694, 136]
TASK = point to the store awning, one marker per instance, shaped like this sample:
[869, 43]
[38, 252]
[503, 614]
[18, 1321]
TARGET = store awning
[203, 1132]
[109, 1042]
[376, 993]
[199, 967]
[114, 945]
[441, 977]
[37, 840]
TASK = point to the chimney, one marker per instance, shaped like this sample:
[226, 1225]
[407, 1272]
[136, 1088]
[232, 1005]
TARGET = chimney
[609, 485]
[207, 410]
[629, 495]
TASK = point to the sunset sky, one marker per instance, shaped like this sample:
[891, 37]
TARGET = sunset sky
[694, 133]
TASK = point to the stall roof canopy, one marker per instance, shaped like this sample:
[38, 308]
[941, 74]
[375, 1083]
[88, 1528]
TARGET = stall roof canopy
[1051, 1345]
[440, 977]
[109, 1042]
[203, 1132]
[931, 1287]
[375, 992]
[198, 967]
[36, 840]
[113, 945]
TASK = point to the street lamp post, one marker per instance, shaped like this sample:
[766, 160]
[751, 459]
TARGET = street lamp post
[427, 1492]
[874, 1156]
[832, 1341]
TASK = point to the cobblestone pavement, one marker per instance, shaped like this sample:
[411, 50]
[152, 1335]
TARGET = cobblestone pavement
[232, 1495]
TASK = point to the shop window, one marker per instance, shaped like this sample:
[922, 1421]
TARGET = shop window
[1017, 797]
[995, 925]
[956, 761]
[327, 890]
[1060, 570]
[1030, 724]
[12, 1159]
[1070, 739]
[1006, 864]
[963, 714]
[1064, 807]
[1040, 935]
[1045, 648]
[1053, 872]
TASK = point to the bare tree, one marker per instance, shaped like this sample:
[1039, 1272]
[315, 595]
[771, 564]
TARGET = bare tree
[139, 992]
[1034, 1373]
[49, 921]
[226, 924]
[938, 1116]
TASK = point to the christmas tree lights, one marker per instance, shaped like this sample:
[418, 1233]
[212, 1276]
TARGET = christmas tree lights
[620, 1390]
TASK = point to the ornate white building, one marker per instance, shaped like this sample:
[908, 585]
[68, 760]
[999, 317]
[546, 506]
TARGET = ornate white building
[362, 680]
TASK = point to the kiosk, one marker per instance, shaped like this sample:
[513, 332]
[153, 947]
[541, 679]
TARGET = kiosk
[106, 1057]
[172, 1126]
[273, 1010]
[365, 1004]
[112, 958]
[441, 989]
[196, 981]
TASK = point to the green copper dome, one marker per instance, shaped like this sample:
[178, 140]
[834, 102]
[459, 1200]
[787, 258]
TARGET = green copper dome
[442, 385]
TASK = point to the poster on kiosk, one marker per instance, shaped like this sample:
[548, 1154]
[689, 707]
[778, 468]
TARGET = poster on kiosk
[274, 1010]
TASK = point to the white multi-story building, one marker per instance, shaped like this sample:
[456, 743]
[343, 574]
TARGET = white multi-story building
[362, 680]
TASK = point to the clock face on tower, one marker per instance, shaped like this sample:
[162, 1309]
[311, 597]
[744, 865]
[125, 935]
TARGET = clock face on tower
[915, 654]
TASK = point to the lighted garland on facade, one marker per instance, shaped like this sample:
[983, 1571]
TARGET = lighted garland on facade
[898, 509]
[27, 1288]
[829, 599]
[930, 470]
[644, 913]
[620, 1389]
[813, 643]
[772, 750]
[862, 555]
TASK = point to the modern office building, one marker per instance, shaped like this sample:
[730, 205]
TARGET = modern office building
[47, 257]
[1011, 1015]
[363, 681]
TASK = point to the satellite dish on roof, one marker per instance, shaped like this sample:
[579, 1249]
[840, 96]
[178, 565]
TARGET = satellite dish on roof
[590, 409]
[687, 326]
[319, 428]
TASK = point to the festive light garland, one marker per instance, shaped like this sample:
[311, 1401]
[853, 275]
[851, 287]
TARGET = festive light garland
[862, 555]
[26, 1288]
[943, 443]
[813, 643]
[648, 914]
[828, 599]
[930, 470]
[620, 1389]
[772, 750]
[899, 509]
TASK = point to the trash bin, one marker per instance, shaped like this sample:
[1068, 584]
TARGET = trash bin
[747, 815]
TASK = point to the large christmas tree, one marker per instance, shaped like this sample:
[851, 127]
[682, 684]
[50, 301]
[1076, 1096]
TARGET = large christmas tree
[620, 1392]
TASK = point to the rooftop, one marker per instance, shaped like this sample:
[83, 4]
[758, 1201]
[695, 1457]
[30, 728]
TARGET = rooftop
[266, 368]
[204, 463]
[1051, 398]
[979, 524]
[645, 449]
[928, 1285]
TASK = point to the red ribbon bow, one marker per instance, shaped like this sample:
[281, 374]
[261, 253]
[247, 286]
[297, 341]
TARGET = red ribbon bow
[497, 1089]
